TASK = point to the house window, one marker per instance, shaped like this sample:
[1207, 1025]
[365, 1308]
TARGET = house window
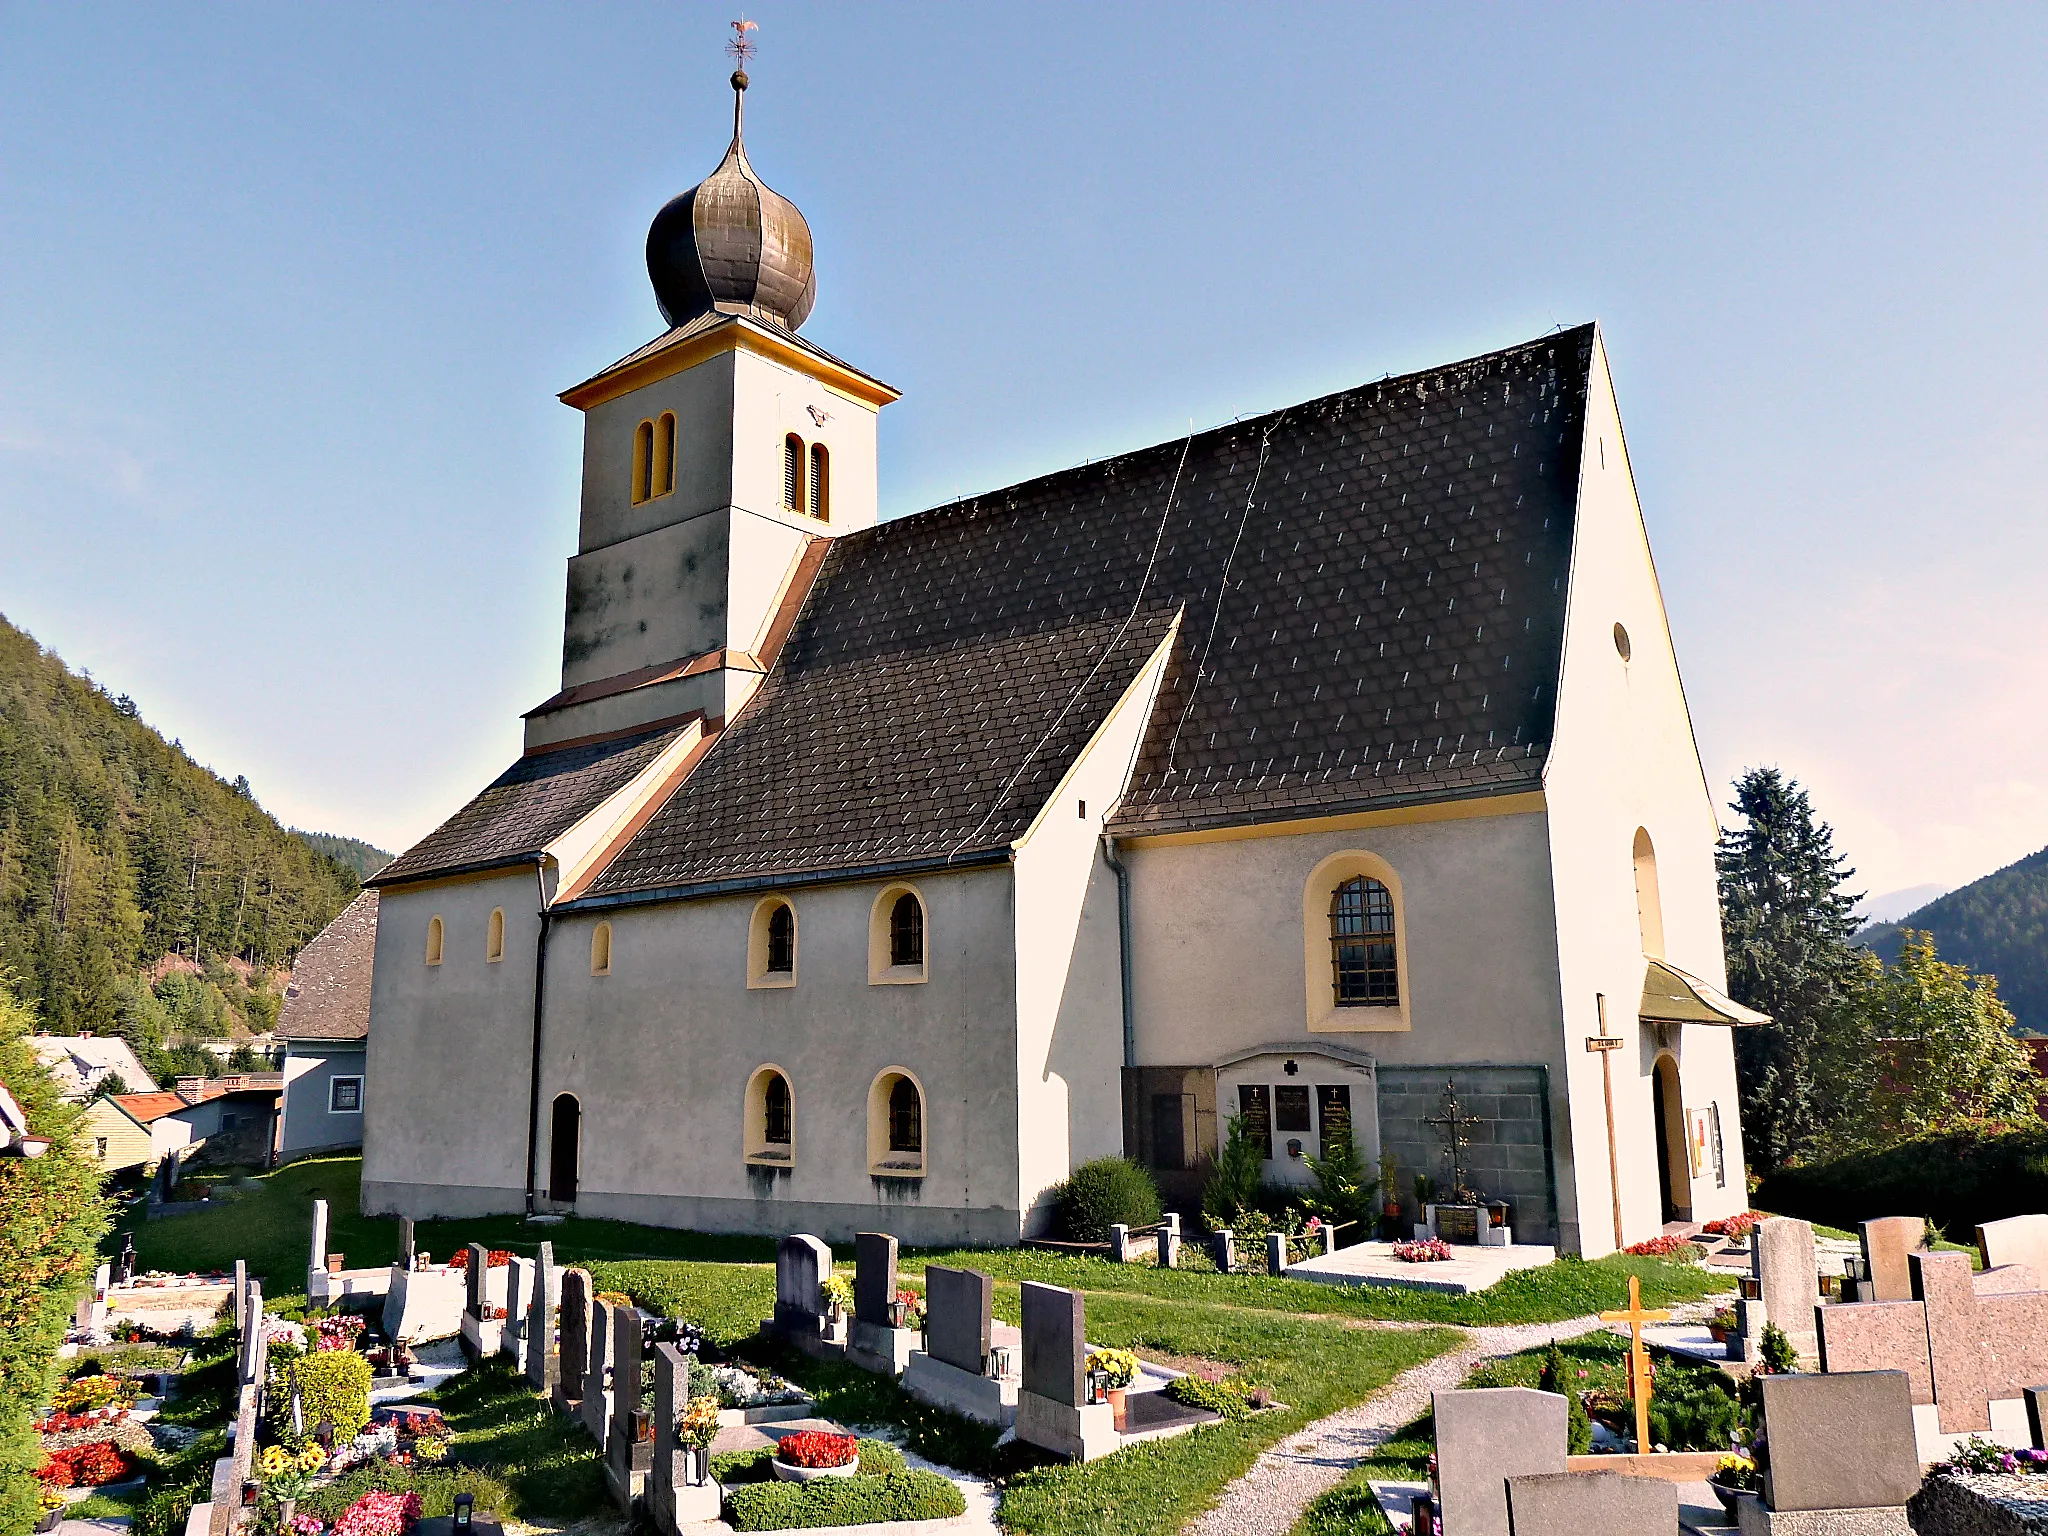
[663, 475]
[770, 1118]
[896, 1142]
[601, 950]
[433, 941]
[345, 1096]
[1362, 963]
[793, 473]
[771, 944]
[99, 1148]
[494, 935]
[643, 462]
[821, 483]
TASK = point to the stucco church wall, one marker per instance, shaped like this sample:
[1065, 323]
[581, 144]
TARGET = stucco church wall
[1623, 757]
[701, 398]
[653, 598]
[1218, 952]
[659, 1054]
[445, 1104]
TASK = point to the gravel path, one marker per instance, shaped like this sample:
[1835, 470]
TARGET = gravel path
[1267, 1500]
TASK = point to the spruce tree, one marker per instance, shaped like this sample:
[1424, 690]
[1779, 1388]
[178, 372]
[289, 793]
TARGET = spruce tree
[1786, 921]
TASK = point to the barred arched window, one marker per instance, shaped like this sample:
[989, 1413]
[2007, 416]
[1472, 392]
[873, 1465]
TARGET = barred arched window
[906, 1117]
[906, 931]
[782, 939]
[821, 483]
[1363, 968]
[775, 1116]
[793, 472]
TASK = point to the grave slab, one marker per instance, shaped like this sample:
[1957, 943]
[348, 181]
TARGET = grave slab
[970, 1394]
[1840, 1442]
[1752, 1519]
[1472, 1268]
[1886, 1242]
[1484, 1437]
[1591, 1504]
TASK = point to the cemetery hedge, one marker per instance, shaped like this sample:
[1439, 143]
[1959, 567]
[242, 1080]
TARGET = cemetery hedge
[843, 1501]
[1960, 1179]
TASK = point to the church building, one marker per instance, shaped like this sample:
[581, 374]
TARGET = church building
[1329, 771]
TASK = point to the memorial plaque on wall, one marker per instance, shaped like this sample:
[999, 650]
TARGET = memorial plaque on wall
[1290, 1108]
[1458, 1223]
[1255, 1109]
[1333, 1113]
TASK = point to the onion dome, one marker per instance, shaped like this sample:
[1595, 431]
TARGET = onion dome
[732, 245]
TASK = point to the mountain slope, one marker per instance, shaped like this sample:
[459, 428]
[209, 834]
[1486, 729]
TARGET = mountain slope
[1997, 924]
[117, 850]
[364, 858]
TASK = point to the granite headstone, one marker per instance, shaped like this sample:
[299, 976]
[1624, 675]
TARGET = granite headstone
[1839, 1442]
[1886, 1242]
[1055, 1344]
[626, 1350]
[1483, 1438]
[1783, 1259]
[319, 1257]
[574, 1353]
[478, 1276]
[874, 1277]
[408, 1242]
[2015, 1240]
[671, 1395]
[1592, 1504]
[541, 1362]
[597, 1375]
[801, 1264]
[958, 1308]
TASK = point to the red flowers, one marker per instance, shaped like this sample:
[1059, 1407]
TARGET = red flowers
[817, 1448]
[1734, 1228]
[1658, 1247]
[86, 1466]
[379, 1514]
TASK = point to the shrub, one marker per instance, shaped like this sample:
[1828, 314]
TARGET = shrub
[164, 1512]
[1693, 1411]
[435, 1487]
[1780, 1357]
[1345, 1183]
[334, 1385]
[843, 1501]
[1579, 1423]
[1234, 1182]
[1102, 1194]
[1231, 1397]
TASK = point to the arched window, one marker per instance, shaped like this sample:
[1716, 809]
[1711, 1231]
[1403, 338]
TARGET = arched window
[643, 462]
[494, 935]
[663, 478]
[793, 472]
[906, 930]
[601, 950]
[433, 941]
[1649, 901]
[772, 944]
[821, 483]
[770, 1118]
[1363, 968]
[896, 1131]
[782, 940]
[565, 1134]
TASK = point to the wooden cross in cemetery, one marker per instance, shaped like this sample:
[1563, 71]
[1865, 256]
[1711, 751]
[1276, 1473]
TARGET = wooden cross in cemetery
[1638, 1357]
[1452, 1125]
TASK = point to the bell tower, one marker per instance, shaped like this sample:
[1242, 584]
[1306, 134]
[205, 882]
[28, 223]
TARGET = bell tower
[717, 461]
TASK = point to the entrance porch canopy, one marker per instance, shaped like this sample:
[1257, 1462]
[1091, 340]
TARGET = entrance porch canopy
[1671, 996]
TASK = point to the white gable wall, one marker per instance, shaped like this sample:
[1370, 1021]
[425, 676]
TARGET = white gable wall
[1623, 757]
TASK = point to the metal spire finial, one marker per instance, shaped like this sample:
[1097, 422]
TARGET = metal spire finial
[741, 47]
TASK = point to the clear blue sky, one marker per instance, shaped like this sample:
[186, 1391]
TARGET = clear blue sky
[286, 293]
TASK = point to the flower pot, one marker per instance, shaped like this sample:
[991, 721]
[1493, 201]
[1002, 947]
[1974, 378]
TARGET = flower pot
[1117, 1399]
[1728, 1496]
[697, 1465]
[789, 1474]
[1717, 1333]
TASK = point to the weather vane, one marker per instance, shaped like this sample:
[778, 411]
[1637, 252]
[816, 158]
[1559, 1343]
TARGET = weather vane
[741, 46]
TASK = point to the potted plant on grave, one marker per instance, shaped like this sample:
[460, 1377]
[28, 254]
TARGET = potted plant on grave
[1736, 1474]
[696, 1428]
[1119, 1368]
[838, 1293]
[814, 1453]
[1721, 1324]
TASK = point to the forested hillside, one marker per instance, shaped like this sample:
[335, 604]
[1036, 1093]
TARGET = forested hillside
[363, 858]
[117, 851]
[1997, 924]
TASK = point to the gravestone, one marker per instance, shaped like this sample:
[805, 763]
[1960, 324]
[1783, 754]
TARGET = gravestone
[1591, 1504]
[2015, 1240]
[574, 1355]
[1840, 1442]
[252, 1336]
[2037, 1400]
[1783, 1261]
[1055, 1346]
[518, 1286]
[874, 1277]
[1223, 1250]
[479, 1278]
[408, 1242]
[1879, 1336]
[958, 1316]
[1483, 1438]
[801, 1264]
[1886, 1242]
[1967, 1367]
[319, 1258]
[597, 1376]
[241, 1296]
[671, 1499]
[226, 1499]
[541, 1362]
[626, 1461]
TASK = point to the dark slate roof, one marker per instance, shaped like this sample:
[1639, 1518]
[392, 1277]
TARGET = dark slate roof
[527, 807]
[328, 997]
[1372, 592]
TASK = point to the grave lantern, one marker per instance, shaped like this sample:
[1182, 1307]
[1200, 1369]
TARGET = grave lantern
[1000, 1362]
[1098, 1385]
[465, 1511]
[1496, 1213]
[1752, 1288]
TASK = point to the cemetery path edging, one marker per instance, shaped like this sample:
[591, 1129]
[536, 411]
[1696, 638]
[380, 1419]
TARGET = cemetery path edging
[1289, 1475]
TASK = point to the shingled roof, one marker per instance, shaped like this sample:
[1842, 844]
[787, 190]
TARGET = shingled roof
[328, 997]
[527, 807]
[1372, 594]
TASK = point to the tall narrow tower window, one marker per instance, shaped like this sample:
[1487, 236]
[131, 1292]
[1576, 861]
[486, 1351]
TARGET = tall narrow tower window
[643, 461]
[793, 472]
[821, 483]
[664, 476]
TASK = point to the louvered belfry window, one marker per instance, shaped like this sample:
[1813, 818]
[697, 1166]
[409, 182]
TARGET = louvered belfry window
[821, 483]
[1363, 968]
[793, 473]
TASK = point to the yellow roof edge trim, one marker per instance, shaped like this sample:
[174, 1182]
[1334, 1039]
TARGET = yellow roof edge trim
[1672, 996]
[739, 335]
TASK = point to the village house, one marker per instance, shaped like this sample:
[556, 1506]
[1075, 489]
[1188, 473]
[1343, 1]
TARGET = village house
[1308, 770]
[324, 1028]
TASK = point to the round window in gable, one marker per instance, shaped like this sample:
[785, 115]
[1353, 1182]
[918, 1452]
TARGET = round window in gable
[1621, 641]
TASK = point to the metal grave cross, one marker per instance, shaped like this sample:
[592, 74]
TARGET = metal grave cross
[1452, 1125]
[1638, 1357]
